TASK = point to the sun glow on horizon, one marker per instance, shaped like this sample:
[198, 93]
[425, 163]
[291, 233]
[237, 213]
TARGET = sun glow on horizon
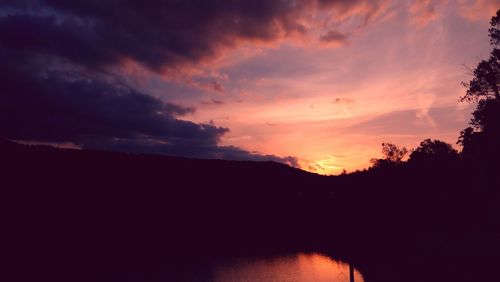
[396, 81]
[317, 84]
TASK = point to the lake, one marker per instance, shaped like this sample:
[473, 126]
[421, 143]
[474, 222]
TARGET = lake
[301, 267]
[298, 267]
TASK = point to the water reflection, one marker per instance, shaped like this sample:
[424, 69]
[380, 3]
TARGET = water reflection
[294, 268]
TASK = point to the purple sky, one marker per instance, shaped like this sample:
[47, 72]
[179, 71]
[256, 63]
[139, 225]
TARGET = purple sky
[316, 83]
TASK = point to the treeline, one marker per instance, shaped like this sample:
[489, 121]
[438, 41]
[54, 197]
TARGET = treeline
[432, 213]
[480, 142]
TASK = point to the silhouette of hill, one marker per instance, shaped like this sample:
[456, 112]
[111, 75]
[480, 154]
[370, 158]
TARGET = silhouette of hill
[76, 215]
[102, 207]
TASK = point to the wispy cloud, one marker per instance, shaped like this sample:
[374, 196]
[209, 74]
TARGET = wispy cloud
[127, 81]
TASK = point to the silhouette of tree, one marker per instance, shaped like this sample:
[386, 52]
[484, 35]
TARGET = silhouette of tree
[394, 153]
[481, 141]
[483, 135]
[433, 152]
[485, 83]
[393, 156]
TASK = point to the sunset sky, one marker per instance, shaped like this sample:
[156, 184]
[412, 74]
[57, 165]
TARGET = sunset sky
[317, 84]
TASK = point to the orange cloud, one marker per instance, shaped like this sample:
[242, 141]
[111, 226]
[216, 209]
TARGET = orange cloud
[423, 12]
[478, 9]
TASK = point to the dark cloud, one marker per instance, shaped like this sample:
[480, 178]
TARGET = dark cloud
[47, 104]
[158, 33]
[45, 100]
[334, 36]
[43, 35]
[185, 149]
[55, 54]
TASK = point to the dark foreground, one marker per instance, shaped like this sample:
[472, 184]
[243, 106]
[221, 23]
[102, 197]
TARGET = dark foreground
[73, 215]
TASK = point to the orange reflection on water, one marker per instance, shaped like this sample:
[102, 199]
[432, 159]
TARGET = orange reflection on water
[294, 268]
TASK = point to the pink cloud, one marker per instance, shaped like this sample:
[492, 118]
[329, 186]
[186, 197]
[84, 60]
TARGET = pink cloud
[334, 38]
[478, 9]
[424, 11]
